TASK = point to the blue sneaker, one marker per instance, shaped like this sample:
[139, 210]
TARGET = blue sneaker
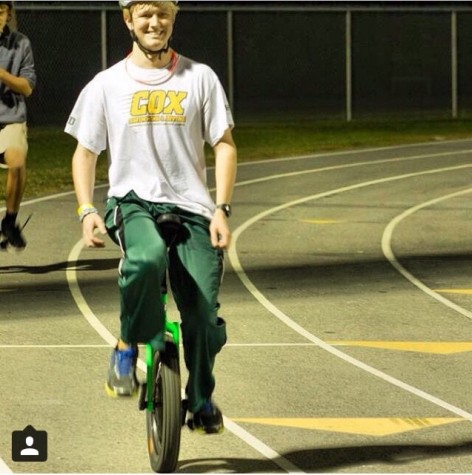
[122, 379]
[207, 420]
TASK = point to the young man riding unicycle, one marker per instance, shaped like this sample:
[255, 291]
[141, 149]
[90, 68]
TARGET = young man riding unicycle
[153, 111]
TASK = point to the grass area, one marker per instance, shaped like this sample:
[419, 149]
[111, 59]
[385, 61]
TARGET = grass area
[50, 153]
[259, 141]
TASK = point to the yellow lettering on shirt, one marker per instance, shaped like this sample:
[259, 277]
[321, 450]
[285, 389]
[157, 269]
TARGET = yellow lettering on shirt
[158, 106]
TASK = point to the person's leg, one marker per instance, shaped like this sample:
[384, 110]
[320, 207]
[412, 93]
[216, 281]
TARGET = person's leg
[141, 272]
[196, 270]
[14, 159]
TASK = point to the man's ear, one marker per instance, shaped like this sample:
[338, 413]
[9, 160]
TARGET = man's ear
[127, 19]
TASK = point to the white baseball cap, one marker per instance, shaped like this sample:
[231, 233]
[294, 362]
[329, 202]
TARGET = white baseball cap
[128, 3]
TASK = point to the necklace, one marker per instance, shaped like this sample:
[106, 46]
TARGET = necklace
[152, 76]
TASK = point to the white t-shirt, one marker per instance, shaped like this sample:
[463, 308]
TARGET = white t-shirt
[154, 124]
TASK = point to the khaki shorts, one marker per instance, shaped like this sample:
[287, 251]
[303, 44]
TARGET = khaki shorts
[12, 136]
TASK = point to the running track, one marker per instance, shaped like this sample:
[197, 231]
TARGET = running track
[349, 304]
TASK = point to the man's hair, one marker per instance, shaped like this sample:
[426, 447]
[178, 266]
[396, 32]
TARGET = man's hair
[128, 5]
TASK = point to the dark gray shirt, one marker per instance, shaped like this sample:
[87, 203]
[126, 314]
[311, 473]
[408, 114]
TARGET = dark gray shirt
[16, 56]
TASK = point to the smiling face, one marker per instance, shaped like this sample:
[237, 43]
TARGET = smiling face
[152, 22]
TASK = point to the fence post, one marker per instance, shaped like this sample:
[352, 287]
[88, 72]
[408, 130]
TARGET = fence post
[103, 39]
[454, 98]
[348, 37]
[230, 54]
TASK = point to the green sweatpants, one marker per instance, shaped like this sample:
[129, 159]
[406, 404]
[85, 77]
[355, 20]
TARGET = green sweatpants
[195, 271]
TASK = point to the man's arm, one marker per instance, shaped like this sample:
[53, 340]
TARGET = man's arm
[17, 84]
[225, 175]
[83, 173]
[25, 81]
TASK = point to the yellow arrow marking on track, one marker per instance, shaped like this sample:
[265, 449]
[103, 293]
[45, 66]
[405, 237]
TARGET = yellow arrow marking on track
[375, 426]
[320, 221]
[438, 347]
[455, 291]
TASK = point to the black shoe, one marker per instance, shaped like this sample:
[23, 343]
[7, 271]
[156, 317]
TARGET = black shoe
[207, 420]
[11, 236]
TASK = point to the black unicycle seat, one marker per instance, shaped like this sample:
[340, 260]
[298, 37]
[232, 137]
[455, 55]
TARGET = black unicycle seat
[170, 225]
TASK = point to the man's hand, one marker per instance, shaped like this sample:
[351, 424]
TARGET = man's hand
[16, 83]
[219, 230]
[91, 222]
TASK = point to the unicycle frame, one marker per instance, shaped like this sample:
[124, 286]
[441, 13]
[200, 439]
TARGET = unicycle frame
[172, 328]
[162, 400]
[161, 393]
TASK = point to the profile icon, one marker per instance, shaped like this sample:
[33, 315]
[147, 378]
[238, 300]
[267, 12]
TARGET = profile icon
[29, 450]
[29, 445]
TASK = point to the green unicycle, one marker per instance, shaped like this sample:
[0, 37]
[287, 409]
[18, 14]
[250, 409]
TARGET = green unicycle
[161, 392]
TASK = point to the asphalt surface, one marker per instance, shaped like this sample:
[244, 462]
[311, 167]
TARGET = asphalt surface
[348, 298]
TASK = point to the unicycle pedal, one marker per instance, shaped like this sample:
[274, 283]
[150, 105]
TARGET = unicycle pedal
[142, 401]
[183, 411]
[3, 243]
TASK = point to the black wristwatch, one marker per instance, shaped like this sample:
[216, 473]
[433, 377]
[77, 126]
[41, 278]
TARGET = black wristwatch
[226, 209]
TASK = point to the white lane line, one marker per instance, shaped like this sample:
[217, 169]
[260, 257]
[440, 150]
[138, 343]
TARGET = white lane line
[73, 282]
[267, 344]
[236, 264]
[98, 326]
[95, 323]
[359, 151]
[108, 346]
[85, 310]
[351, 165]
[258, 445]
[2, 347]
[388, 252]
[4, 468]
[305, 157]
[262, 448]
[71, 277]
[53, 197]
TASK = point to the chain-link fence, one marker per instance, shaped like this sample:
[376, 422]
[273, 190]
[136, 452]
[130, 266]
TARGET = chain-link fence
[277, 60]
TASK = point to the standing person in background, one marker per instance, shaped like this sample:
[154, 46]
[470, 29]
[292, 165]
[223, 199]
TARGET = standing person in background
[154, 111]
[17, 81]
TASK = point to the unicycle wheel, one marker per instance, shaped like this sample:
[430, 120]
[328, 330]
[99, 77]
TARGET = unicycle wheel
[164, 421]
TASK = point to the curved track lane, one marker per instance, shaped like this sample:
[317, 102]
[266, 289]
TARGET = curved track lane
[345, 299]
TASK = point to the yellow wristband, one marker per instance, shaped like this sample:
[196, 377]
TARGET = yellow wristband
[85, 209]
